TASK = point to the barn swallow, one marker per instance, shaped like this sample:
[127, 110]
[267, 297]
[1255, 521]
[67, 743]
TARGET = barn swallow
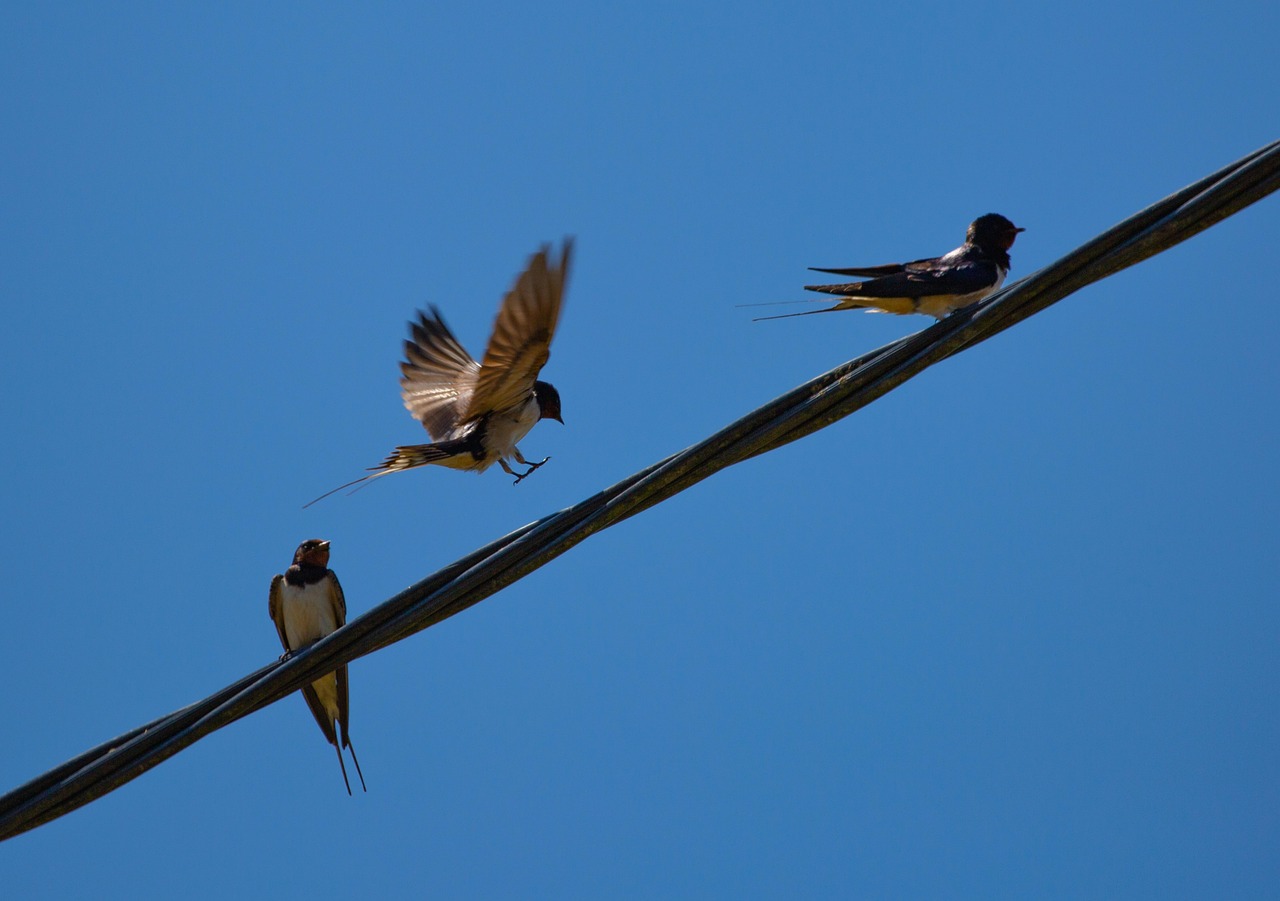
[306, 604]
[476, 412]
[935, 286]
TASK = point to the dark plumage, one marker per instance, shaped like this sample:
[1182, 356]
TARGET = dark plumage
[306, 603]
[935, 286]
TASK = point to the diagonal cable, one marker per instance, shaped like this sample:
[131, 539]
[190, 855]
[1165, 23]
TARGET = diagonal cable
[801, 411]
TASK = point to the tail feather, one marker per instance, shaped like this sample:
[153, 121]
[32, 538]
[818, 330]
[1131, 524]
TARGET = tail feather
[346, 739]
[805, 313]
[844, 290]
[780, 303]
[897, 305]
[408, 456]
[382, 472]
[853, 299]
[344, 768]
[864, 271]
[404, 457]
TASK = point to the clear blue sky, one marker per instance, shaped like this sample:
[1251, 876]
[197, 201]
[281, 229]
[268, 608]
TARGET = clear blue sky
[1009, 632]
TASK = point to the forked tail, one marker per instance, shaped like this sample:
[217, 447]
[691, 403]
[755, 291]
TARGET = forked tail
[405, 457]
[344, 768]
[805, 313]
[355, 760]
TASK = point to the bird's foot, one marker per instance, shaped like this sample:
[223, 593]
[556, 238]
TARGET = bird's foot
[528, 472]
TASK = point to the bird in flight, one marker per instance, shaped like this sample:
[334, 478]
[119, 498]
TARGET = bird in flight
[306, 604]
[936, 286]
[475, 412]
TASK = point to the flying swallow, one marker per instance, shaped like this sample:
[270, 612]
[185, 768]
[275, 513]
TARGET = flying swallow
[475, 412]
[306, 604]
[935, 286]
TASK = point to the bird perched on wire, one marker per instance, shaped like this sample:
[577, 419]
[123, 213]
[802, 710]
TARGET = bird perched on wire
[475, 412]
[936, 286]
[306, 604]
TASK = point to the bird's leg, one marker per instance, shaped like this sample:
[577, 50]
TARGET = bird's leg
[520, 459]
[511, 472]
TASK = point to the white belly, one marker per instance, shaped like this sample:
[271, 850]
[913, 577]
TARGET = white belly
[309, 616]
[308, 613]
[504, 432]
[942, 305]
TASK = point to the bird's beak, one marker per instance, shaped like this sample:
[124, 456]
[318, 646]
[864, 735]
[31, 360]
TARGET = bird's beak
[1016, 230]
[324, 546]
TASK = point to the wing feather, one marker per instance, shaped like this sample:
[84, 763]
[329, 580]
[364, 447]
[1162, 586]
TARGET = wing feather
[521, 341]
[961, 279]
[339, 601]
[275, 611]
[321, 715]
[878, 271]
[438, 375]
[863, 271]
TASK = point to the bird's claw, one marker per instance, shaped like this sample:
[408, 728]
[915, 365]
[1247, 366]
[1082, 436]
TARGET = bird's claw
[528, 472]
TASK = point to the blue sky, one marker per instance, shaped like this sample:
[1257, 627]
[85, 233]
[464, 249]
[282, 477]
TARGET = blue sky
[1011, 631]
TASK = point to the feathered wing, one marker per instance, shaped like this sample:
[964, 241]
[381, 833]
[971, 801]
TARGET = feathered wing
[337, 599]
[521, 341]
[276, 612]
[339, 602]
[438, 375]
[918, 289]
[964, 278]
[321, 715]
[338, 607]
[878, 271]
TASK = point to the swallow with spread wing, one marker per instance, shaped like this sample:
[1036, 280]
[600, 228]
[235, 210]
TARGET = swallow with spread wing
[306, 604]
[475, 412]
[935, 286]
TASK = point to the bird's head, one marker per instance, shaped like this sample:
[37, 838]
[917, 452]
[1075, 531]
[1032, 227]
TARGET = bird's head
[992, 232]
[312, 552]
[548, 401]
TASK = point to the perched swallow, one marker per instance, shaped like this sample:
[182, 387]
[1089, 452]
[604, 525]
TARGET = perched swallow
[476, 412]
[306, 604]
[935, 286]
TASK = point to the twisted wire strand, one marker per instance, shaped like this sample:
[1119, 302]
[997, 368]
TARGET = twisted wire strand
[790, 417]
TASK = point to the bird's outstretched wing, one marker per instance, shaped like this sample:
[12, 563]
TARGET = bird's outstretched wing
[438, 375]
[521, 341]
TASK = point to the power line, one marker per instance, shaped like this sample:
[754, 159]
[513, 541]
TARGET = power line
[801, 411]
